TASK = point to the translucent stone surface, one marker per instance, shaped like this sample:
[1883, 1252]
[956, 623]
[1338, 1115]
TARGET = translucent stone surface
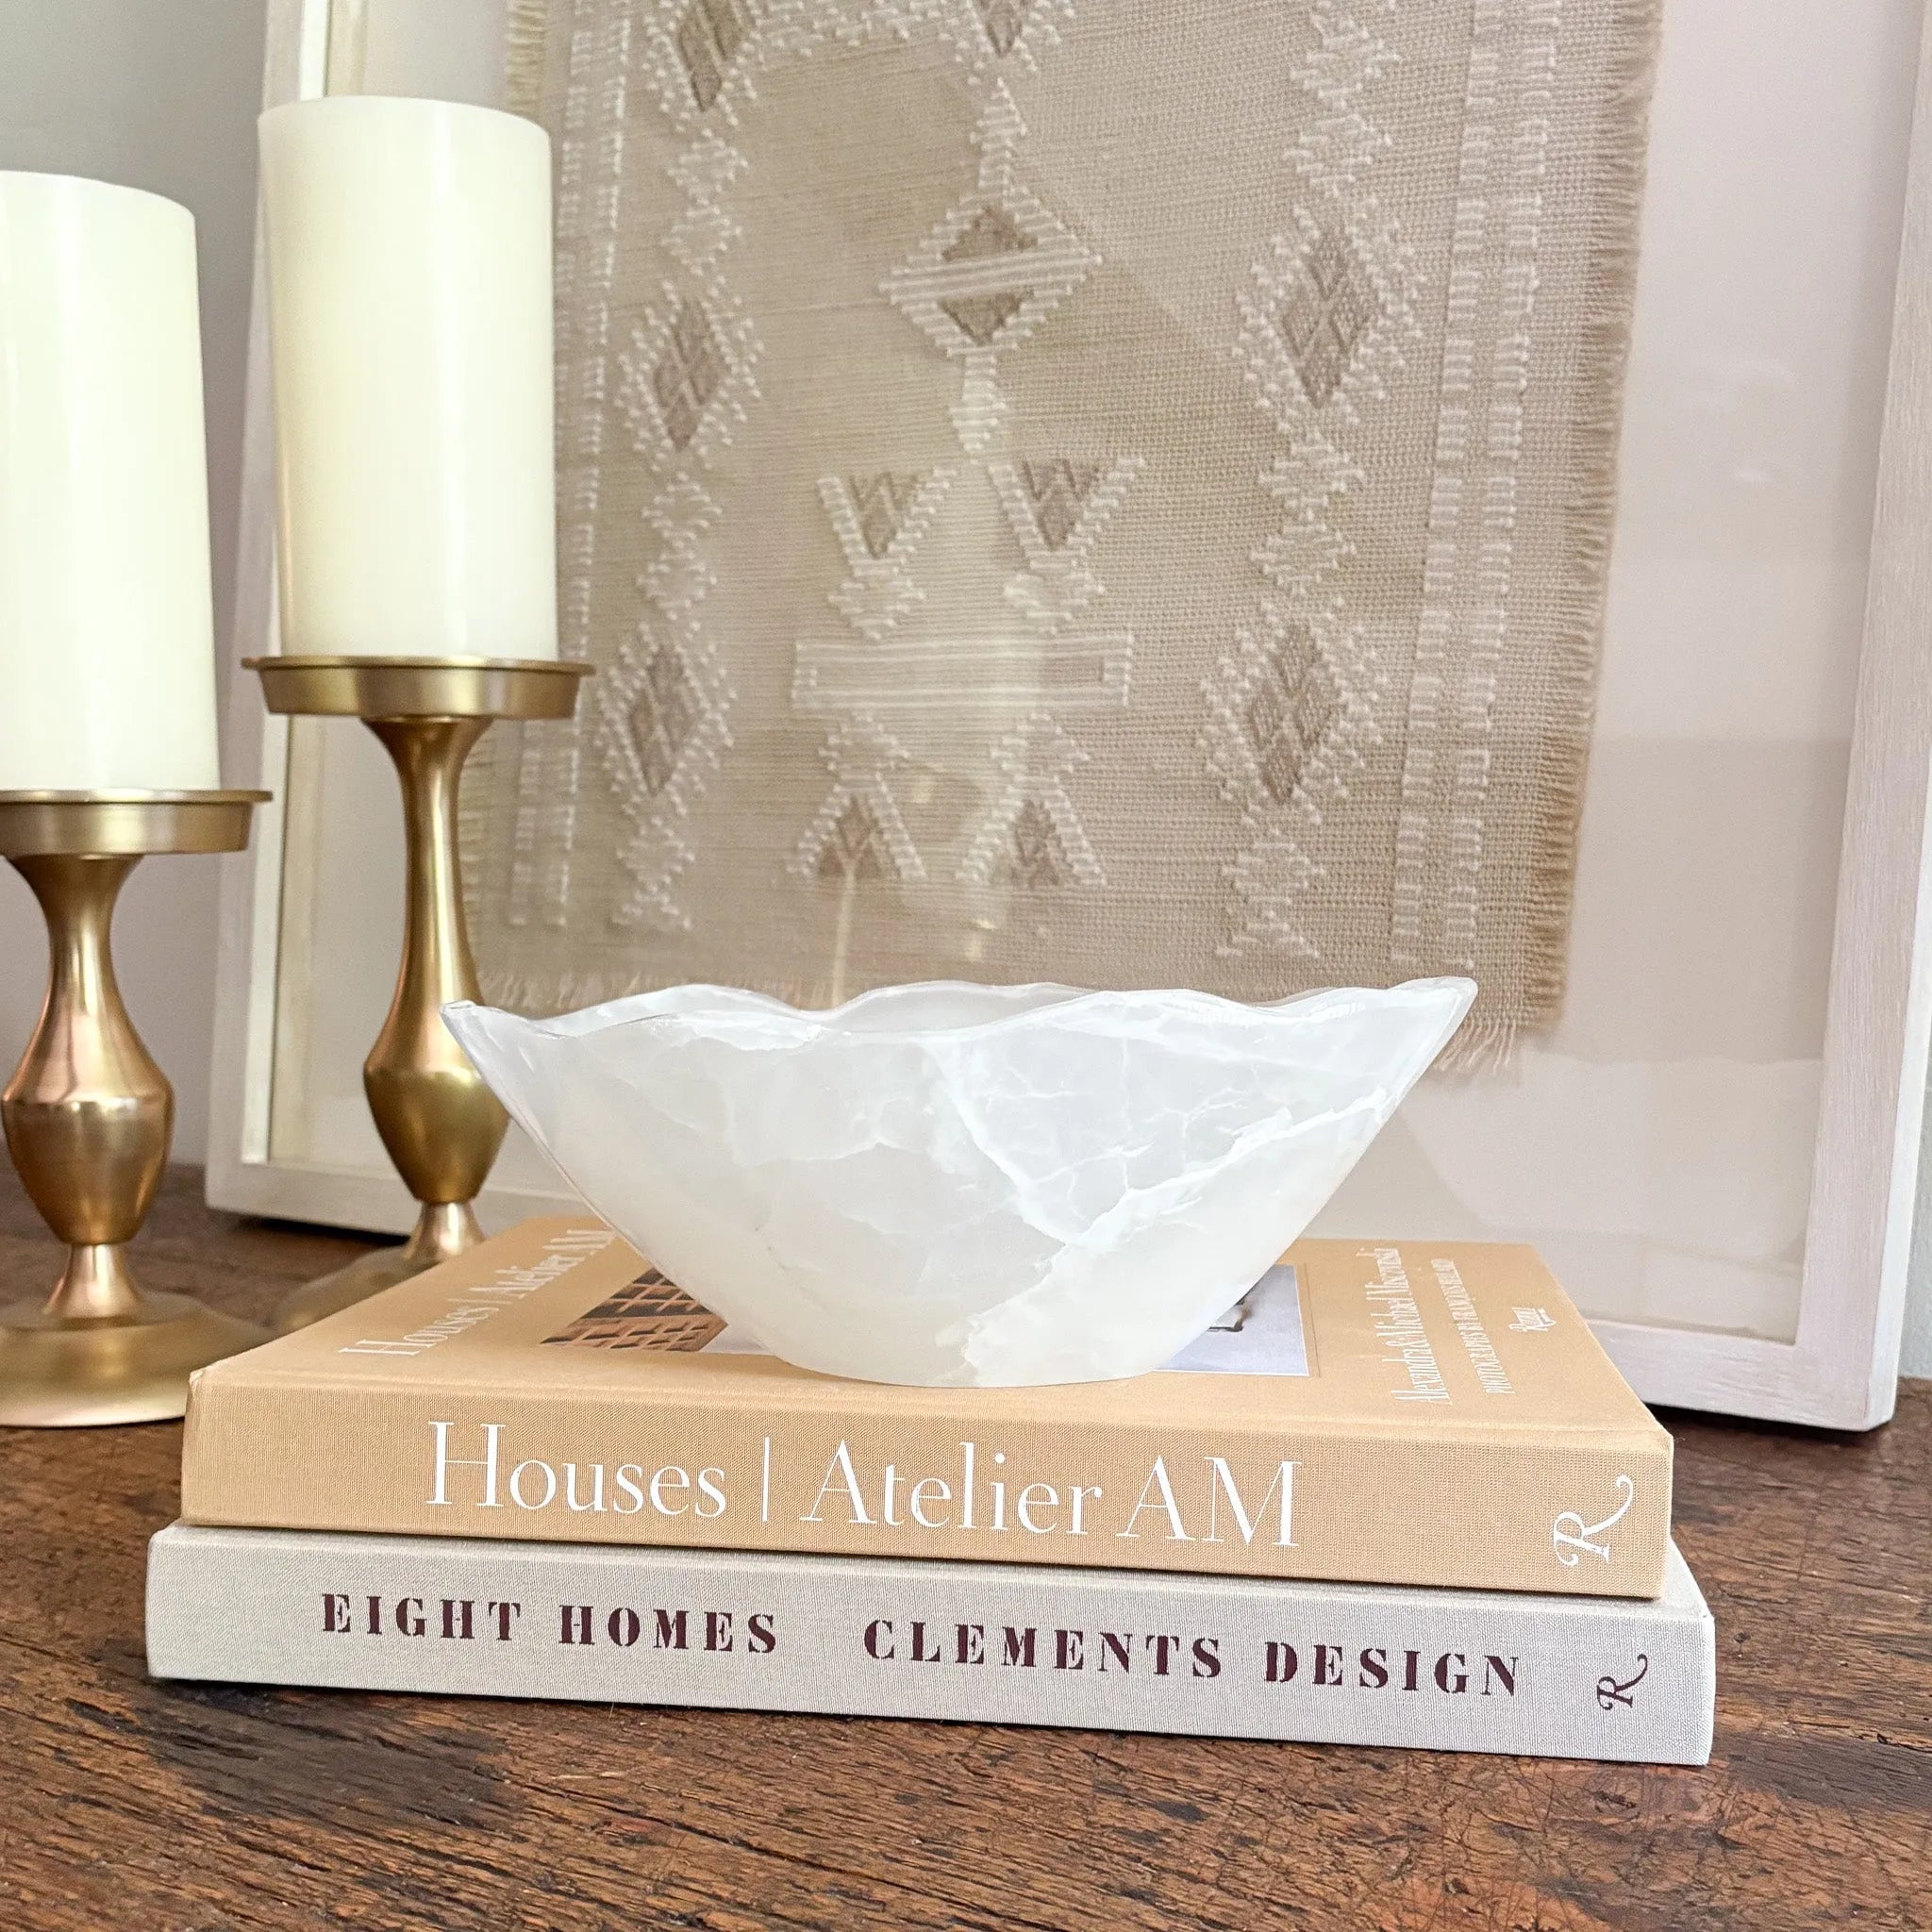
[964, 1185]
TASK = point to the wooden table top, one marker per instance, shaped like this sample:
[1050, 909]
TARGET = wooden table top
[176, 1808]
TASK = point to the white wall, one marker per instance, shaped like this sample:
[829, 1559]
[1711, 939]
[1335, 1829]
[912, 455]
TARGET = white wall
[1917, 1356]
[158, 94]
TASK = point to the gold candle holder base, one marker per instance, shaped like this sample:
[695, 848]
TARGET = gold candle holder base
[89, 1115]
[444, 1230]
[439, 1122]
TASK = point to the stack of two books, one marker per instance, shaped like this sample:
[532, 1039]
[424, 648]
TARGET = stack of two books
[1398, 1496]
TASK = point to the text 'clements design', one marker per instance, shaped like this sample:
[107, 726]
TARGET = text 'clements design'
[1314, 1665]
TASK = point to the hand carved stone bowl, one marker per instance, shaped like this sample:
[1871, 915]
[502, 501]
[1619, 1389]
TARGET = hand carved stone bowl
[963, 1185]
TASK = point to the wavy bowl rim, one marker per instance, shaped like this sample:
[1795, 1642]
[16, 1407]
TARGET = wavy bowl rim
[819, 1021]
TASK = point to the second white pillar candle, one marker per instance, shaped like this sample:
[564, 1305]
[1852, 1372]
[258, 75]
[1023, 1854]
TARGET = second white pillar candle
[410, 294]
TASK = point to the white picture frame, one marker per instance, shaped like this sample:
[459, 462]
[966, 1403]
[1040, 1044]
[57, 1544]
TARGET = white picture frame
[1839, 1369]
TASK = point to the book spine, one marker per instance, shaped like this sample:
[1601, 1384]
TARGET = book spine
[1586, 1513]
[1466, 1671]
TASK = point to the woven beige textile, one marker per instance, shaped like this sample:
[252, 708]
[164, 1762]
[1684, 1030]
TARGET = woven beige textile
[1106, 491]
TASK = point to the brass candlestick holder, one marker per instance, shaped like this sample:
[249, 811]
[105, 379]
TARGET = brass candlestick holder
[88, 1116]
[439, 1122]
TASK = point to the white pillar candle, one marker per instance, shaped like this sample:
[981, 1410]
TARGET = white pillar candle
[408, 250]
[107, 633]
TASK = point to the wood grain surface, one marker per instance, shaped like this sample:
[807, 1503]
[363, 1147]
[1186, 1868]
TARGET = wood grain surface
[190, 1809]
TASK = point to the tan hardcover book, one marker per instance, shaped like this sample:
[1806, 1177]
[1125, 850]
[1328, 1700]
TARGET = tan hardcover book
[1409, 1412]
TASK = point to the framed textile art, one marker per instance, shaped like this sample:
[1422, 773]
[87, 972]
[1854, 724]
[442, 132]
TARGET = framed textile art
[1024, 536]
[1082, 488]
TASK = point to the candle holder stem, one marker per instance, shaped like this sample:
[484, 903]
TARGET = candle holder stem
[441, 1123]
[88, 1117]
[442, 1126]
[87, 1113]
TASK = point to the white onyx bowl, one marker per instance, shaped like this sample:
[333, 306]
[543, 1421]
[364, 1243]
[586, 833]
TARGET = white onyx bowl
[963, 1186]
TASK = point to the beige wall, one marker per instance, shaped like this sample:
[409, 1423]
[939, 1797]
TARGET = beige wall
[160, 94]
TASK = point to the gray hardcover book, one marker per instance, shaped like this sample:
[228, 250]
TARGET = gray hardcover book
[1554, 1676]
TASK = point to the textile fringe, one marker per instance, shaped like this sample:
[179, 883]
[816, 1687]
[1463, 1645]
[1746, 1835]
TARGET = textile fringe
[1479, 1047]
[1620, 163]
[472, 818]
[523, 64]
